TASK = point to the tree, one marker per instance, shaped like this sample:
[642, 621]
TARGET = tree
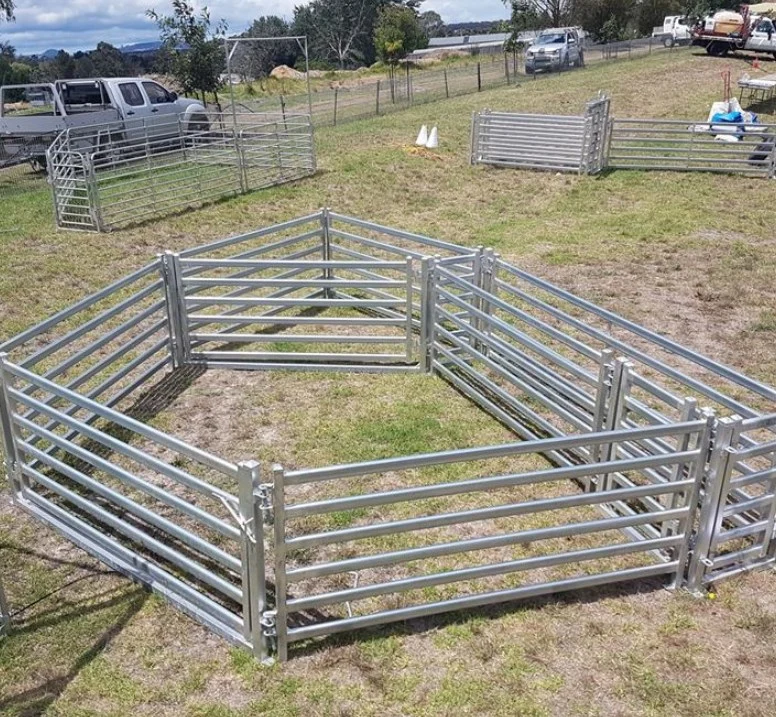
[6, 9]
[432, 24]
[524, 16]
[107, 61]
[651, 13]
[193, 47]
[340, 30]
[605, 20]
[397, 33]
[258, 59]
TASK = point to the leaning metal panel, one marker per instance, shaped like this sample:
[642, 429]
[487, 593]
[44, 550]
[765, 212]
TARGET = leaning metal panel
[113, 175]
[650, 458]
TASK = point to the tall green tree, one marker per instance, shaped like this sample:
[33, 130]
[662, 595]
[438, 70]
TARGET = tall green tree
[432, 24]
[605, 20]
[398, 32]
[193, 46]
[258, 59]
[339, 30]
[108, 61]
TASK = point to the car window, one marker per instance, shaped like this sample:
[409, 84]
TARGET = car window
[131, 94]
[83, 94]
[558, 39]
[157, 95]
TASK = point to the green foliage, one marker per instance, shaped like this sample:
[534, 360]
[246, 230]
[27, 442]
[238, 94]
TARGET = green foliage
[6, 9]
[258, 59]
[605, 20]
[397, 33]
[193, 46]
[432, 24]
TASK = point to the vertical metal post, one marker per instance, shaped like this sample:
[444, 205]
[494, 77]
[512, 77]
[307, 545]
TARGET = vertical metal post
[689, 412]
[328, 274]
[615, 414]
[479, 77]
[377, 99]
[410, 294]
[180, 345]
[506, 67]
[307, 75]
[336, 95]
[10, 451]
[427, 312]
[252, 556]
[488, 270]
[409, 95]
[604, 386]
[281, 613]
[769, 541]
[447, 85]
[725, 435]
[690, 498]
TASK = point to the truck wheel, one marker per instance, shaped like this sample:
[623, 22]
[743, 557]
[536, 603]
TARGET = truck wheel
[717, 49]
[197, 124]
[668, 41]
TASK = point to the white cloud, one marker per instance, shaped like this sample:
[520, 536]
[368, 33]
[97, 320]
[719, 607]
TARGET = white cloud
[80, 24]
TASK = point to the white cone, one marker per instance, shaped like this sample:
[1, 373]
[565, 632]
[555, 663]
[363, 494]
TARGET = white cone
[433, 139]
[422, 137]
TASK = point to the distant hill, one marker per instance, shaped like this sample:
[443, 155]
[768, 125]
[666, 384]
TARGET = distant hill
[140, 47]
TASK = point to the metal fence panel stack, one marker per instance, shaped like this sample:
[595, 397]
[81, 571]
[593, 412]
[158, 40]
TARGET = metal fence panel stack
[108, 176]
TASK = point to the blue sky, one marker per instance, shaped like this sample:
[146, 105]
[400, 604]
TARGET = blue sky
[79, 24]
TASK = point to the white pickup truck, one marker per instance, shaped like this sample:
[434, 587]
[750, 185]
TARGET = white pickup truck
[676, 30]
[31, 116]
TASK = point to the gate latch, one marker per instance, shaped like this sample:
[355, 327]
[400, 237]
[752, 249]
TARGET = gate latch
[264, 494]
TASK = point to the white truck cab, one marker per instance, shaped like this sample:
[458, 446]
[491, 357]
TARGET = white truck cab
[676, 30]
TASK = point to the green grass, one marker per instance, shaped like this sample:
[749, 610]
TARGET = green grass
[689, 255]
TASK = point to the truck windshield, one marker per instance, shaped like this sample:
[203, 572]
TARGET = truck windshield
[554, 39]
[33, 100]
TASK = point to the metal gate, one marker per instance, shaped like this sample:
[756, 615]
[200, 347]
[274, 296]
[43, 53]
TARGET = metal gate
[322, 314]
[736, 530]
[338, 567]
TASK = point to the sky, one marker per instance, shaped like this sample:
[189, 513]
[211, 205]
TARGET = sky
[80, 24]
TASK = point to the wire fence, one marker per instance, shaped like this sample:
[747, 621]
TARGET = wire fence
[408, 85]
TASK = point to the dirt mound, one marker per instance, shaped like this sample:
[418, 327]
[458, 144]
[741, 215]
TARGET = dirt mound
[284, 72]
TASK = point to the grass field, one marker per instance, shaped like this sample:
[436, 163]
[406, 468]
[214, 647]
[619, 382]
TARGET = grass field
[691, 256]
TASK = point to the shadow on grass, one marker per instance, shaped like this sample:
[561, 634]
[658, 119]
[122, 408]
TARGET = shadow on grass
[441, 620]
[65, 610]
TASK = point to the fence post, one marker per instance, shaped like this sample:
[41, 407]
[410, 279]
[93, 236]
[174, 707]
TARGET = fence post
[409, 88]
[479, 77]
[9, 433]
[280, 614]
[427, 312]
[180, 345]
[506, 67]
[615, 413]
[689, 413]
[724, 437]
[447, 85]
[691, 498]
[252, 556]
[377, 99]
[474, 139]
[488, 270]
[336, 95]
[328, 274]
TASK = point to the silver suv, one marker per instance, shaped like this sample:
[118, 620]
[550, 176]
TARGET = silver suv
[558, 48]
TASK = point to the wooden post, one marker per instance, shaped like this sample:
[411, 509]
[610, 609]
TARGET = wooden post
[479, 77]
[377, 99]
[336, 94]
[447, 86]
